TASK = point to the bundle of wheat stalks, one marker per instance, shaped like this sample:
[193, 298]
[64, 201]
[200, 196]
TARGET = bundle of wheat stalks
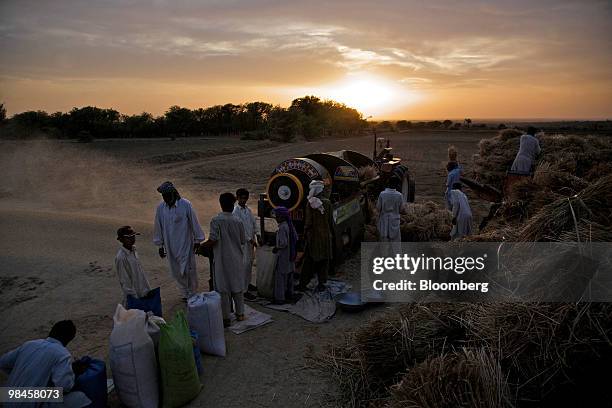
[476, 355]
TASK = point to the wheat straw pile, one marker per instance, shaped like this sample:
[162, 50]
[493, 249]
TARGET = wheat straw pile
[585, 157]
[419, 222]
[466, 378]
[568, 198]
[475, 355]
[424, 222]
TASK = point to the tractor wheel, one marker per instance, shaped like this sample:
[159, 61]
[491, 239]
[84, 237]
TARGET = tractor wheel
[408, 188]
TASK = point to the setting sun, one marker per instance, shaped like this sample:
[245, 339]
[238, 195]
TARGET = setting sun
[370, 95]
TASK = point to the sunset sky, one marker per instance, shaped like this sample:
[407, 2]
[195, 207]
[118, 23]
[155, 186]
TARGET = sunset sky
[389, 59]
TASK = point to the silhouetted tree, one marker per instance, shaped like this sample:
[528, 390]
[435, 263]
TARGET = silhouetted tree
[179, 121]
[308, 105]
[98, 122]
[385, 125]
[308, 116]
[447, 123]
[142, 125]
[403, 124]
[255, 115]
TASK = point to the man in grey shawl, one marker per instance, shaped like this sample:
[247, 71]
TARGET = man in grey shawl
[529, 149]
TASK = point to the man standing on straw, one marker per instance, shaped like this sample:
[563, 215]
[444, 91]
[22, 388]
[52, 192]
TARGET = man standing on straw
[529, 149]
[462, 214]
[178, 235]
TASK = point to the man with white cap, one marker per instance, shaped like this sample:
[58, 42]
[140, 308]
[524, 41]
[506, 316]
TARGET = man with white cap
[178, 235]
[132, 278]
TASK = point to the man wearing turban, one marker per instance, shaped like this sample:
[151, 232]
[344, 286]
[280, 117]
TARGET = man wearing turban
[178, 234]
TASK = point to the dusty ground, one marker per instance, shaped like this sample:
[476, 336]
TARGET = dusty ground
[62, 202]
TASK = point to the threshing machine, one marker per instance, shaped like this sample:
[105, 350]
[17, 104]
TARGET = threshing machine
[348, 193]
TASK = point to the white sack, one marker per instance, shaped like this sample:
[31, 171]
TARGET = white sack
[266, 263]
[132, 360]
[206, 319]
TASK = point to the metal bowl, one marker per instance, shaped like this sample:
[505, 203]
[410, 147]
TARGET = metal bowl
[351, 302]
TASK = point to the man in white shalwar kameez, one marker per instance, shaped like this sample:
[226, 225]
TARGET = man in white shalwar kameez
[227, 240]
[529, 149]
[462, 214]
[251, 232]
[178, 234]
[388, 205]
[132, 278]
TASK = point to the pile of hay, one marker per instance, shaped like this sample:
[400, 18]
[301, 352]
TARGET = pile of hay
[426, 221]
[589, 211]
[555, 354]
[375, 356]
[571, 188]
[533, 212]
[466, 378]
[494, 355]
[582, 156]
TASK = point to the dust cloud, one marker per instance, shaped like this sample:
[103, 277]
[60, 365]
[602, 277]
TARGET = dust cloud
[59, 176]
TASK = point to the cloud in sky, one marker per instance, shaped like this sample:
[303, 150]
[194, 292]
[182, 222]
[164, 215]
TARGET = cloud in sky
[65, 53]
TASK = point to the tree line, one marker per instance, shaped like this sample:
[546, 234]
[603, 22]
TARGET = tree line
[309, 117]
